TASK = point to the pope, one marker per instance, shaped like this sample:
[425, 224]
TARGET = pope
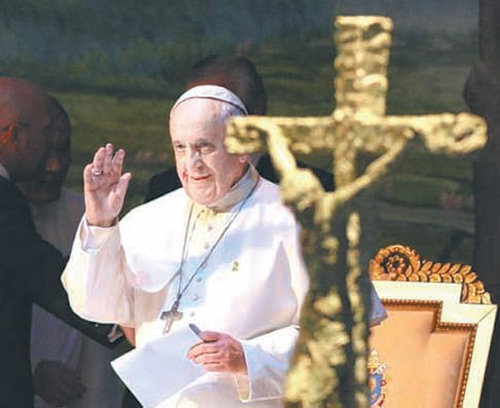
[222, 252]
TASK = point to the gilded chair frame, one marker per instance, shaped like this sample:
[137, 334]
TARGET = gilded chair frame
[459, 303]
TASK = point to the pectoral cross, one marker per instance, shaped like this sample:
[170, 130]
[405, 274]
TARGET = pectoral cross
[170, 316]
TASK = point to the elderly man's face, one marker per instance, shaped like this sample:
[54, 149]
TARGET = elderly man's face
[205, 169]
[47, 184]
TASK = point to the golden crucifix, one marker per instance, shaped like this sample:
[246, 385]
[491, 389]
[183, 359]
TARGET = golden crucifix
[329, 367]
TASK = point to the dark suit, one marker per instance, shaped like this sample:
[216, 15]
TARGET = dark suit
[167, 180]
[30, 269]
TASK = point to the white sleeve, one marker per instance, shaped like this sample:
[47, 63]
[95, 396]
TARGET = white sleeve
[95, 276]
[268, 358]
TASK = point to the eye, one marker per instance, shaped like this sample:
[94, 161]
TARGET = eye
[205, 148]
[179, 148]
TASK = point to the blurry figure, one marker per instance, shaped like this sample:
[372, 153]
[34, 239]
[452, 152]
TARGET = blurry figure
[29, 266]
[69, 368]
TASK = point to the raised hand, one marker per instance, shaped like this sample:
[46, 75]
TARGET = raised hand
[219, 352]
[105, 186]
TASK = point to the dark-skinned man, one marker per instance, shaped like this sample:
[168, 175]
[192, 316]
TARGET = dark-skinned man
[29, 266]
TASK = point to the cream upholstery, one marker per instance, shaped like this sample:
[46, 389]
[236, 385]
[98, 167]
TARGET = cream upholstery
[433, 347]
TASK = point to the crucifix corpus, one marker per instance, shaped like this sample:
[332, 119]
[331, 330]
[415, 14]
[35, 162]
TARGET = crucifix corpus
[170, 316]
[329, 366]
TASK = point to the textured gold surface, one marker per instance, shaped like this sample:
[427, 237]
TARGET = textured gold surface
[332, 344]
[398, 262]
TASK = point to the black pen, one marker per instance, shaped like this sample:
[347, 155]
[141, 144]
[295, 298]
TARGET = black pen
[196, 329]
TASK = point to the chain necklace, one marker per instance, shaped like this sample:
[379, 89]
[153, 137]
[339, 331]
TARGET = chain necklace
[174, 314]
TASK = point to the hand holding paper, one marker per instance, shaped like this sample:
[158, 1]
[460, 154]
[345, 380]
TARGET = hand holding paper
[160, 368]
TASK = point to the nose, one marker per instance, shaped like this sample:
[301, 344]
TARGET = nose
[194, 159]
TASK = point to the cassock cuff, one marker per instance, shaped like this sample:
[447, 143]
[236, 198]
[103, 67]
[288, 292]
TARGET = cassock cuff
[92, 237]
[264, 380]
[242, 382]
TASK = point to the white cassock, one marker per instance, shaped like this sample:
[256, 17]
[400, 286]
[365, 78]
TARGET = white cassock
[251, 287]
[53, 339]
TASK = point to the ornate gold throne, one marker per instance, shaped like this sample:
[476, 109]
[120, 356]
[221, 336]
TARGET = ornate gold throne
[431, 351]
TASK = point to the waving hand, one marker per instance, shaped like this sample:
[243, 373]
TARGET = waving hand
[105, 186]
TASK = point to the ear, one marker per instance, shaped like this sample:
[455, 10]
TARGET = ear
[8, 134]
[243, 158]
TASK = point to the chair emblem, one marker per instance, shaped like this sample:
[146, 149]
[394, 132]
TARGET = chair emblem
[377, 380]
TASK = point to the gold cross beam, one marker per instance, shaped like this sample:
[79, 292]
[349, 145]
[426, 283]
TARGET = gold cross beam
[333, 341]
[358, 123]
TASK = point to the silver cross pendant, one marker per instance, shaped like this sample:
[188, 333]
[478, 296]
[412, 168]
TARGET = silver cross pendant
[170, 316]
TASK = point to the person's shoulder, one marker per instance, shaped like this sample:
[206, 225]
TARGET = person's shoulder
[269, 197]
[268, 189]
[173, 197]
[170, 203]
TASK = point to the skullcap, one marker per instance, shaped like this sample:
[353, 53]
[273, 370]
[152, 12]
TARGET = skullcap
[216, 92]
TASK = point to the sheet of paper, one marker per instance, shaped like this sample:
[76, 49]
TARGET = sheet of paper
[160, 368]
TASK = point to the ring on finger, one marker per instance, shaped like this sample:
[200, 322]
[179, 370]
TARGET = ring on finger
[96, 173]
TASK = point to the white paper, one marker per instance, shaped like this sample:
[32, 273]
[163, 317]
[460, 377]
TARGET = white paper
[159, 368]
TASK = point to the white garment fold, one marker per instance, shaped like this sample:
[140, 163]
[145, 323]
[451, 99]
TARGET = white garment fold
[252, 287]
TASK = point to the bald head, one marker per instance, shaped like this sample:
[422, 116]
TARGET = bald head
[19, 98]
[24, 121]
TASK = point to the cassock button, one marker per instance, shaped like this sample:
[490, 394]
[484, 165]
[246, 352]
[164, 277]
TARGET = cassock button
[199, 279]
[206, 246]
[196, 298]
[192, 313]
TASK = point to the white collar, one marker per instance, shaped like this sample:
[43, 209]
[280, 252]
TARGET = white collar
[237, 192]
[3, 172]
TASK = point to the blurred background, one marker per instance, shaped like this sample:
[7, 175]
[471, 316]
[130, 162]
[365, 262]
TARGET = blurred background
[117, 66]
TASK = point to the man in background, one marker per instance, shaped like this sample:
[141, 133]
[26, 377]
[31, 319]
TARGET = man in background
[69, 368]
[29, 266]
